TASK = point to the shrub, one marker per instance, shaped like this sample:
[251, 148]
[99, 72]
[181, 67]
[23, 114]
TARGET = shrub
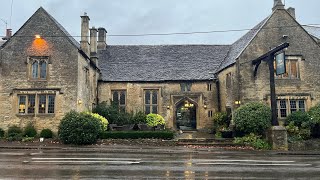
[254, 141]
[314, 124]
[79, 128]
[137, 134]
[27, 139]
[154, 120]
[139, 118]
[102, 119]
[46, 133]
[252, 118]
[220, 121]
[112, 113]
[296, 133]
[14, 133]
[1, 133]
[29, 131]
[298, 118]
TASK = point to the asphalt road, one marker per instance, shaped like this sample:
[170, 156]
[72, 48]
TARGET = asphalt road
[123, 162]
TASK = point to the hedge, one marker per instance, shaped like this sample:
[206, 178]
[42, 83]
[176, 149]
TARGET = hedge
[137, 135]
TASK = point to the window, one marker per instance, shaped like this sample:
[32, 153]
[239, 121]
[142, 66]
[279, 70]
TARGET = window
[292, 69]
[41, 104]
[210, 113]
[209, 87]
[119, 98]
[185, 87]
[151, 101]
[38, 68]
[286, 107]
[228, 80]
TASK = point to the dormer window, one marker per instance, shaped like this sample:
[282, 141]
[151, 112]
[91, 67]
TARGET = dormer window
[39, 68]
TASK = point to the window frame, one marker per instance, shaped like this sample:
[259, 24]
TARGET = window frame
[185, 87]
[36, 108]
[151, 105]
[288, 74]
[289, 106]
[122, 107]
[39, 60]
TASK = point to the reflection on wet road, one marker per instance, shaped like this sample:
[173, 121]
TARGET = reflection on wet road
[121, 162]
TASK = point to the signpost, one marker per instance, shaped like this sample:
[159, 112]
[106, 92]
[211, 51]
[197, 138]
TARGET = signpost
[280, 64]
[269, 58]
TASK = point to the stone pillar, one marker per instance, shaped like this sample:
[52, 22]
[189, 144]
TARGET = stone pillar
[277, 137]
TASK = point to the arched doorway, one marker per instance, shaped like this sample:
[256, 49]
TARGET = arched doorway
[186, 115]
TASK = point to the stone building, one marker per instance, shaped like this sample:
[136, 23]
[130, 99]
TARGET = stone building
[45, 73]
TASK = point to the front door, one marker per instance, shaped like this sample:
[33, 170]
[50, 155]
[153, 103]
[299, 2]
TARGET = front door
[186, 118]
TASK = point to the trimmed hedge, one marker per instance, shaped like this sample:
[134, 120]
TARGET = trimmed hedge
[29, 131]
[137, 135]
[46, 133]
[2, 133]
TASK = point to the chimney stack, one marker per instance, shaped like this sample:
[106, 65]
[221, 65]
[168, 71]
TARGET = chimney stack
[84, 43]
[8, 34]
[292, 11]
[277, 5]
[93, 45]
[102, 38]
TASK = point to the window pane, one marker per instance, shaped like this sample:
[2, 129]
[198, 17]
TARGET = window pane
[51, 99]
[294, 72]
[283, 108]
[42, 103]
[31, 103]
[35, 70]
[147, 109]
[155, 109]
[147, 97]
[43, 70]
[189, 86]
[283, 104]
[293, 106]
[22, 104]
[183, 87]
[115, 97]
[122, 98]
[302, 106]
[154, 97]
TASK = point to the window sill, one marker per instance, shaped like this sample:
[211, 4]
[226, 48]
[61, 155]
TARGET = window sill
[38, 80]
[35, 115]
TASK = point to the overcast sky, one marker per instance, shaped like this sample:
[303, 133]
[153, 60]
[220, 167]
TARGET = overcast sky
[158, 16]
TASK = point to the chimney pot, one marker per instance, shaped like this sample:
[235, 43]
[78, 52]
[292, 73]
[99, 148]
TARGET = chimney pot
[277, 5]
[102, 38]
[8, 34]
[84, 43]
[292, 11]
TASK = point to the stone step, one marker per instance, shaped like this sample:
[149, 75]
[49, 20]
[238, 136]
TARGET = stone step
[206, 144]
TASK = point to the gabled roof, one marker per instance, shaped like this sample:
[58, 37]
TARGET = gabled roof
[239, 46]
[63, 30]
[161, 62]
[313, 31]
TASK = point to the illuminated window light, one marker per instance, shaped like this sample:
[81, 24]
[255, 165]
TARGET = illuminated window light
[37, 36]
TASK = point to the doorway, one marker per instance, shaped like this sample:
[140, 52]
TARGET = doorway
[186, 115]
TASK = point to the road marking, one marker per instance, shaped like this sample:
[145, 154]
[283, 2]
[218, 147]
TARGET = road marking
[242, 160]
[249, 164]
[108, 162]
[12, 154]
[110, 159]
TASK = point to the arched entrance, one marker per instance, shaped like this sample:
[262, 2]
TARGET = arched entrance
[186, 115]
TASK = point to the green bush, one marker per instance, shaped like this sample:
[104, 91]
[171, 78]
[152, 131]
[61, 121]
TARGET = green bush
[137, 135]
[29, 131]
[27, 139]
[154, 120]
[14, 133]
[220, 121]
[254, 141]
[252, 118]
[102, 119]
[46, 133]
[299, 118]
[1, 133]
[296, 133]
[79, 128]
[314, 124]
[139, 118]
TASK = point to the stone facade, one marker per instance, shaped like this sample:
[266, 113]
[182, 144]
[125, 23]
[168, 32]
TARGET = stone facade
[65, 74]
[170, 95]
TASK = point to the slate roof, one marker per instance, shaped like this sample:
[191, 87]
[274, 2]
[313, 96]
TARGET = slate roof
[313, 30]
[239, 46]
[160, 62]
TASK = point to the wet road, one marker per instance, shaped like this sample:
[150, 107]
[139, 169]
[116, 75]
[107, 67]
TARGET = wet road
[123, 162]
